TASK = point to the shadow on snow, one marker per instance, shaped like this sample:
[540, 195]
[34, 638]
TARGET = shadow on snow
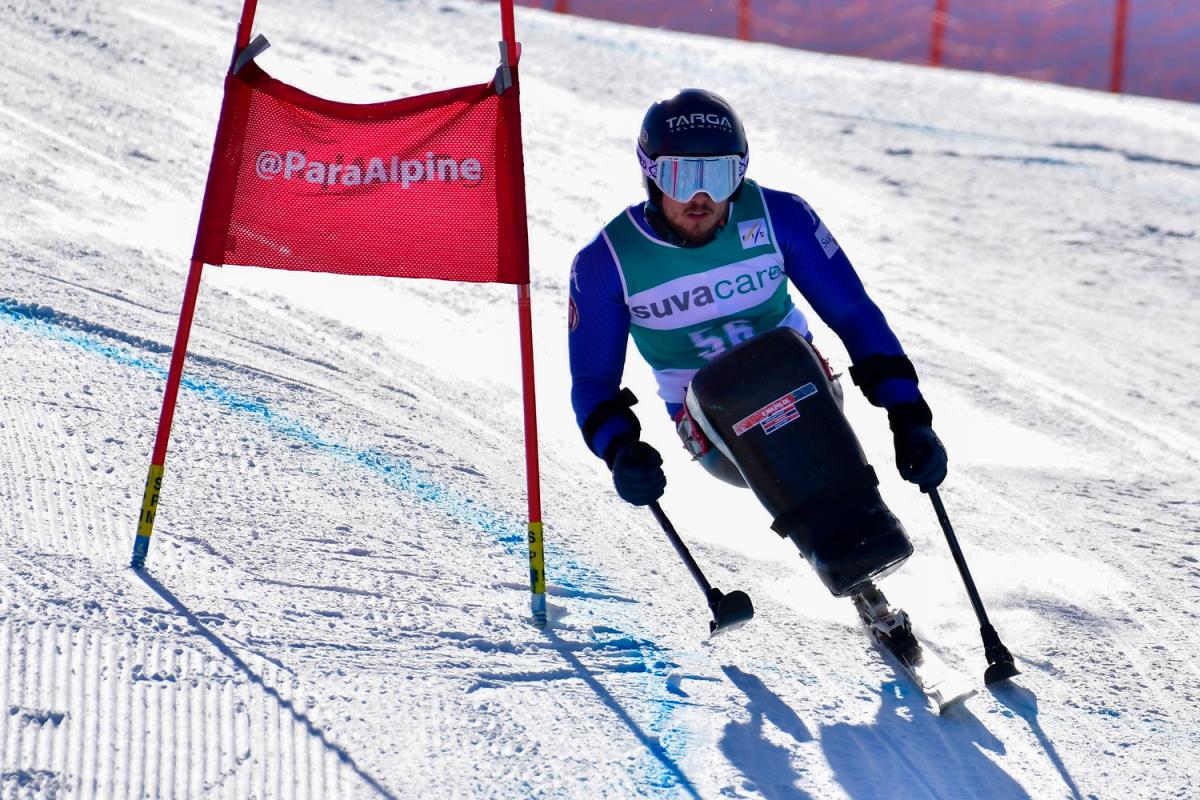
[675, 773]
[909, 751]
[906, 751]
[767, 765]
[1023, 703]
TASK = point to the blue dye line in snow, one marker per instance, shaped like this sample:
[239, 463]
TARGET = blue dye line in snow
[395, 472]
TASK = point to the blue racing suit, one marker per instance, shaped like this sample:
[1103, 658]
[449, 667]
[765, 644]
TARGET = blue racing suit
[599, 316]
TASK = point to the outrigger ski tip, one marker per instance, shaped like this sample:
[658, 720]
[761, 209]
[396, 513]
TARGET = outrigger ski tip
[730, 611]
[1000, 661]
[999, 671]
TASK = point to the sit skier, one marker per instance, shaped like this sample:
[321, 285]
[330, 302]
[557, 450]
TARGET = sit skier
[697, 275]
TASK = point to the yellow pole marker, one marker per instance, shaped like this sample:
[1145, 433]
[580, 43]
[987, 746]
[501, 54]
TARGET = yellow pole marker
[146, 521]
[537, 574]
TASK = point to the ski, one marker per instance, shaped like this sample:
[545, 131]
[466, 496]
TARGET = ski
[892, 631]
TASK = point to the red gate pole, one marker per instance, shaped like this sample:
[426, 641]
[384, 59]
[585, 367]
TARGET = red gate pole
[141, 543]
[537, 557]
[158, 458]
[537, 561]
[743, 20]
[939, 33]
[1118, 56]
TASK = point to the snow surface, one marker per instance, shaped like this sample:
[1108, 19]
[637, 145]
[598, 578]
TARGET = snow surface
[336, 601]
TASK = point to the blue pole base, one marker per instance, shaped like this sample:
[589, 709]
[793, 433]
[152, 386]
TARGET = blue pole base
[141, 546]
[537, 603]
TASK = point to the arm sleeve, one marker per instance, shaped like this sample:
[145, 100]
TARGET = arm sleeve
[598, 323]
[819, 268]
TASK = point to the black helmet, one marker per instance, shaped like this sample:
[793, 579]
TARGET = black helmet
[694, 122]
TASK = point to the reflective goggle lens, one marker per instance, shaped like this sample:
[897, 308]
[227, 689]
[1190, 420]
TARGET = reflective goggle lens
[682, 178]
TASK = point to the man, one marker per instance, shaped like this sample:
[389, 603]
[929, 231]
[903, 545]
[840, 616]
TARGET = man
[702, 265]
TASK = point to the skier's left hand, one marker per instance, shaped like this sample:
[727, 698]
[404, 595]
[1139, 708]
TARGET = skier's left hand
[638, 474]
[920, 455]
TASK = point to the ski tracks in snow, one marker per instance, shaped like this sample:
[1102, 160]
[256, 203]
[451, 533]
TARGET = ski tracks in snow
[93, 713]
[120, 698]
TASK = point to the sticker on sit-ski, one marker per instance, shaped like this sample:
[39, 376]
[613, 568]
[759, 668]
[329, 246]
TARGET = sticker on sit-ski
[777, 413]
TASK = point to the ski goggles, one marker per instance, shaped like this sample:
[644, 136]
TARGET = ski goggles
[683, 177]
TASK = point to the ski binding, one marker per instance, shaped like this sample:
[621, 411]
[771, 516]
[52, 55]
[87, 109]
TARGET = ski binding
[892, 630]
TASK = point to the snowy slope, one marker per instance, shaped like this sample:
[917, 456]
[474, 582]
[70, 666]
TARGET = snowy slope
[336, 599]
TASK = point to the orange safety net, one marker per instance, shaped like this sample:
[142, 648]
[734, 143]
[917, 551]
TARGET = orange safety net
[1145, 48]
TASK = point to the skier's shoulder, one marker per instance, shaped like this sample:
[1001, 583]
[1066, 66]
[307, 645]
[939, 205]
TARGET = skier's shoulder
[802, 234]
[789, 210]
[595, 263]
[593, 251]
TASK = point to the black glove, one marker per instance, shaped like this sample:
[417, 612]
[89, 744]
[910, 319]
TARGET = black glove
[920, 455]
[637, 473]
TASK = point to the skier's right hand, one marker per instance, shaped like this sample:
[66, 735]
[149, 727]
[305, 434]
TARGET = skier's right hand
[920, 454]
[637, 473]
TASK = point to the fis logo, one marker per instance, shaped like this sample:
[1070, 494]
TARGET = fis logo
[753, 233]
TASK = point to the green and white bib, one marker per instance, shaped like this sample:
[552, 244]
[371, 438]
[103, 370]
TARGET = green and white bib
[688, 305]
